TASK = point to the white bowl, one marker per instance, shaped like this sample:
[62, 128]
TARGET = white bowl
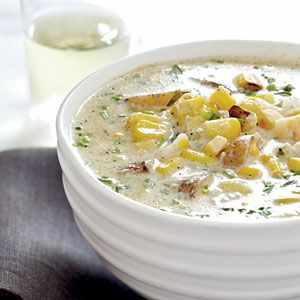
[168, 256]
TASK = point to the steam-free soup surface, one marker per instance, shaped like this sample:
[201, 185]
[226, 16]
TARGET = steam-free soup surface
[208, 138]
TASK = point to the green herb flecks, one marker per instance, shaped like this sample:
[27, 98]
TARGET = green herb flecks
[78, 128]
[117, 98]
[147, 112]
[106, 180]
[148, 183]
[271, 87]
[249, 93]
[82, 142]
[242, 121]
[165, 190]
[115, 150]
[176, 70]
[121, 187]
[289, 183]
[132, 108]
[204, 189]
[262, 211]
[104, 114]
[175, 202]
[268, 187]
[288, 88]
[229, 173]
[211, 115]
[269, 79]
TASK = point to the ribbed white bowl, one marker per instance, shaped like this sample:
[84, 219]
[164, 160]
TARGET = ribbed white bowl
[168, 256]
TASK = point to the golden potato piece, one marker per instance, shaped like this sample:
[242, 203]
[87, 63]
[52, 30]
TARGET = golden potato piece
[236, 152]
[238, 112]
[248, 82]
[159, 99]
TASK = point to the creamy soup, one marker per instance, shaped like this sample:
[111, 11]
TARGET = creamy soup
[214, 139]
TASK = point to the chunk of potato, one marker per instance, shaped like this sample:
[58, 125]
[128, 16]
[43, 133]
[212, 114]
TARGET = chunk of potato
[222, 98]
[147, 130]
[187, 107]
[267, 97]
[169, 166]
[250, 123]
[266, 113]
[180, 144]
[294, 164]
[248, 82]
[267, 118]
[229, 128]
[235, 153]
[159, 99]
[249, 172]
[287, 200]
[136, 117]
[274, 167]
[288, 128]
[215, 146]
[196, 156]
[291, 107]
[271, 164]
[235, 185]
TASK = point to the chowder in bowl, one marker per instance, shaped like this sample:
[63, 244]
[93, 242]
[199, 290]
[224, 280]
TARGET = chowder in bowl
[191, 152]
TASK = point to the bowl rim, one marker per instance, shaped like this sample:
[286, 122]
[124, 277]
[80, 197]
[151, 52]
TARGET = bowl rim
[132, 204]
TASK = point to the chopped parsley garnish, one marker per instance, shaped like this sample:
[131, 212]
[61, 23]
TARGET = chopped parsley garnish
[147, 112]
[78, 128]
[118, 142]
[263, 211]
[165, 190]
[228, 173]
[268, 187]
[227, 208]
[104, 114]
[176, 70]
[242, 121]
[175, 202]
[204, 189]
[283, 93]
[289, 183]
[269, 79]
[106, 180]
[122, 187]
[271, 87]
[117, 97]
[211, 115]
[288, 88]
[82, 142]
[132, 108]
[249, 93]
[115, 150]
[148, 183]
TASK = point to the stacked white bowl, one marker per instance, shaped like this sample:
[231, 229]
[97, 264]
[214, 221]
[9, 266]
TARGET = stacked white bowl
[166, 256]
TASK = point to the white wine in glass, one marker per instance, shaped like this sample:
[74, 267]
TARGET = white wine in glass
[64, 43]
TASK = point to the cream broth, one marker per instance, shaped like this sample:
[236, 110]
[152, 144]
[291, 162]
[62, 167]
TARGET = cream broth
[209, 139]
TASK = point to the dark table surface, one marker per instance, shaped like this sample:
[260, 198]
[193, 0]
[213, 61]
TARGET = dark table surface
[42, 253]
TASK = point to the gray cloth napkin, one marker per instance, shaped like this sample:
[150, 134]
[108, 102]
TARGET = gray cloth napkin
[42, 253]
